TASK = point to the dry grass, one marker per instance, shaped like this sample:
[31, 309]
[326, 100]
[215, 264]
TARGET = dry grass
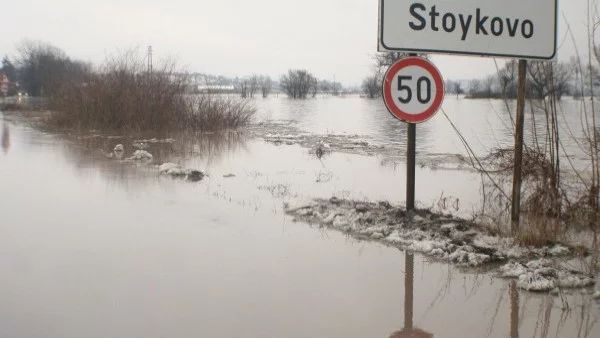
[218, 112]
[123, 95]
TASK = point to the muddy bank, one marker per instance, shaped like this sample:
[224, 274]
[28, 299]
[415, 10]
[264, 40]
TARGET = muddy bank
[450, 239]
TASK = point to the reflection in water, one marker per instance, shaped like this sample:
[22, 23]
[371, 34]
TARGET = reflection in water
[514, 310]
[194, 150]
[409, 331]
[211, 148]
[5, 138]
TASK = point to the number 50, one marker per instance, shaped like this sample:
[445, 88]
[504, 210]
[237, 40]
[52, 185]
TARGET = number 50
[420, 81]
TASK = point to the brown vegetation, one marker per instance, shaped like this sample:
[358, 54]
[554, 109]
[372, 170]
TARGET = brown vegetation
[125, 93]
[298, 83]
[557, 197]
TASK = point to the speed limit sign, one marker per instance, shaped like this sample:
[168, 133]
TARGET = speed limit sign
[413, 89]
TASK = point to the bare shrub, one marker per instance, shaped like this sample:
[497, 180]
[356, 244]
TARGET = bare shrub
[297, 84]
[265, 85]
[557, 197]
[209, 112]
[371, 86]
[124, 95]
[542, 202]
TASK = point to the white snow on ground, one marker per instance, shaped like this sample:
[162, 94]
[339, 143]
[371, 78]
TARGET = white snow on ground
[446, 238]
[176, 170]
[534, 282]
[568, 280]
[513, 270]
[544, 275]
[172, 169]
[140, 155]
[558, 250]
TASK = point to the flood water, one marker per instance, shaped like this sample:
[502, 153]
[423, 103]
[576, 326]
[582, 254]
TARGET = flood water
[97, 247]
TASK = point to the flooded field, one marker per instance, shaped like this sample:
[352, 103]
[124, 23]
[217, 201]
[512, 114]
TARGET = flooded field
[93, 246]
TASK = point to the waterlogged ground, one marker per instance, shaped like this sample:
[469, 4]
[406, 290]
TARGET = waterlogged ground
[93, 245]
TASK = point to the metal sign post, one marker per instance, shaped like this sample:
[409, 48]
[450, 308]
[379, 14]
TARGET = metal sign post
[518, 29]
[411, 152]
[413, 91]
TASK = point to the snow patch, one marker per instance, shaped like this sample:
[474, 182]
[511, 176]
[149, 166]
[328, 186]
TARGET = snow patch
[513, 270]
[377, 235]
[539, 264]
[534, 282]
[559, 250]
[140, 155]
[446, 238]
[176, 170]
[536, 275]
[571, 281]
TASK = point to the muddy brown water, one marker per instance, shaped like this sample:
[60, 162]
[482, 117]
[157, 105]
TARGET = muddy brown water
[96, 247]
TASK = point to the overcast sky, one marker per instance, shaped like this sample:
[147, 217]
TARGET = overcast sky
[236, 37]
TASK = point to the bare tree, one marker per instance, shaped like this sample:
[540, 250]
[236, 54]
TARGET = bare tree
[507, 77]
[474, 87]
[549, 77]
[253, 85]
[265, 85]
[336, 86]
[454, 87]
[325, 86]
[244, 88]
[314, 87]
[457, 88]
[386, 59]
[43, 68]
[371, 86]
[488, 85]
[297, 83]
[10, 71]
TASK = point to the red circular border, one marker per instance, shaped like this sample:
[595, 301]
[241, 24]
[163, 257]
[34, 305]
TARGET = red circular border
[387, 90]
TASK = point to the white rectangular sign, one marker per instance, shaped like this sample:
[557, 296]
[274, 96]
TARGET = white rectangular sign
[504, 28]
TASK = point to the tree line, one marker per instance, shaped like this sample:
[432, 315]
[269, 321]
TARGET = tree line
[542, 79]
[41, 69]
[301, 84]
[372, 84]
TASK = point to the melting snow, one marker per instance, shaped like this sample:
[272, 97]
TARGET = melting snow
[534, 282]
[176, 170]
[444, 237]
[140, 155]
